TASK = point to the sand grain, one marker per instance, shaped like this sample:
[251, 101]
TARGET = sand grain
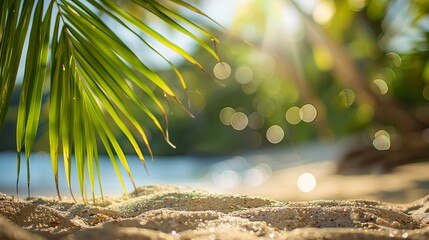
[169, 212]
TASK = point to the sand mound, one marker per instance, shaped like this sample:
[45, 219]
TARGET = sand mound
[168, 212]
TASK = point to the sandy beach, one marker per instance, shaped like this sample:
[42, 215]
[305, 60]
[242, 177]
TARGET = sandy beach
[172, 212]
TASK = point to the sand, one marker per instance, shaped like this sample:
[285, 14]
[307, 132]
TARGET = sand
[172, 212]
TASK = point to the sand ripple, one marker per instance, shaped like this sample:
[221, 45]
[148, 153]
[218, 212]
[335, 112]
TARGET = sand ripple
[168, 212]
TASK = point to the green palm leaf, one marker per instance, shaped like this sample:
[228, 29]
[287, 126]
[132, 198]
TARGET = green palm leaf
[88, 67]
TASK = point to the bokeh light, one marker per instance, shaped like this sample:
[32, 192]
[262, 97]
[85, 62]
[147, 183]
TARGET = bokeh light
[347, 97]
[322, 58]
[222, 70]
[395, 58]
[357, 5]
[249, 88]
[266, 107]
[308, 113]
[291, 94]
[265, 64]
[306, 182]
[198, 102]
[225, 115]
[364, 113]
[422, 113]
[381, 85]
[426, 92]
[227, 179]
[257, 175]
[386, 74]
[256, 121]
[324, 11]
[381, 140]
[275, 134]
[239, 121]
[292, 115]
[243, 75]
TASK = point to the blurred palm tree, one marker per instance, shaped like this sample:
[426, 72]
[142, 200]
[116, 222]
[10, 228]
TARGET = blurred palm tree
[78, 52]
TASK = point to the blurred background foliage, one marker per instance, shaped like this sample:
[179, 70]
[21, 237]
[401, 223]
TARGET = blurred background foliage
[293, 72]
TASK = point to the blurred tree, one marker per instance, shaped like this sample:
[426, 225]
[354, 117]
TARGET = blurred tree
[323, 69]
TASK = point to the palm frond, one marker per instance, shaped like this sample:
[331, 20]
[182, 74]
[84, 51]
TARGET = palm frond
[88, 68]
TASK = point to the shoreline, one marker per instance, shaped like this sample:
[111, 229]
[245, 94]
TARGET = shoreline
[405, 183]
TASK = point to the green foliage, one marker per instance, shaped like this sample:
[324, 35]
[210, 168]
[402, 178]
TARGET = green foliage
[91, 74]
[295, 61]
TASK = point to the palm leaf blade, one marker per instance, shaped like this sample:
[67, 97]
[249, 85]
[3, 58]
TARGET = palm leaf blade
[110, 62]
[55, 105]
[156, 9]
[39, 74]
[66, 127]
[154, 34]
[92, 75]
[31, 95]
[106, 137]
[11, 48]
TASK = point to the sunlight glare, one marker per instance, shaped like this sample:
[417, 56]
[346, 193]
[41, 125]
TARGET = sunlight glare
[307, 6]
[306, 182]
[292, 23]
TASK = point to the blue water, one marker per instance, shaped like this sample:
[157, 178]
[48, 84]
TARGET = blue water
[222, 171]
[177, 170]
